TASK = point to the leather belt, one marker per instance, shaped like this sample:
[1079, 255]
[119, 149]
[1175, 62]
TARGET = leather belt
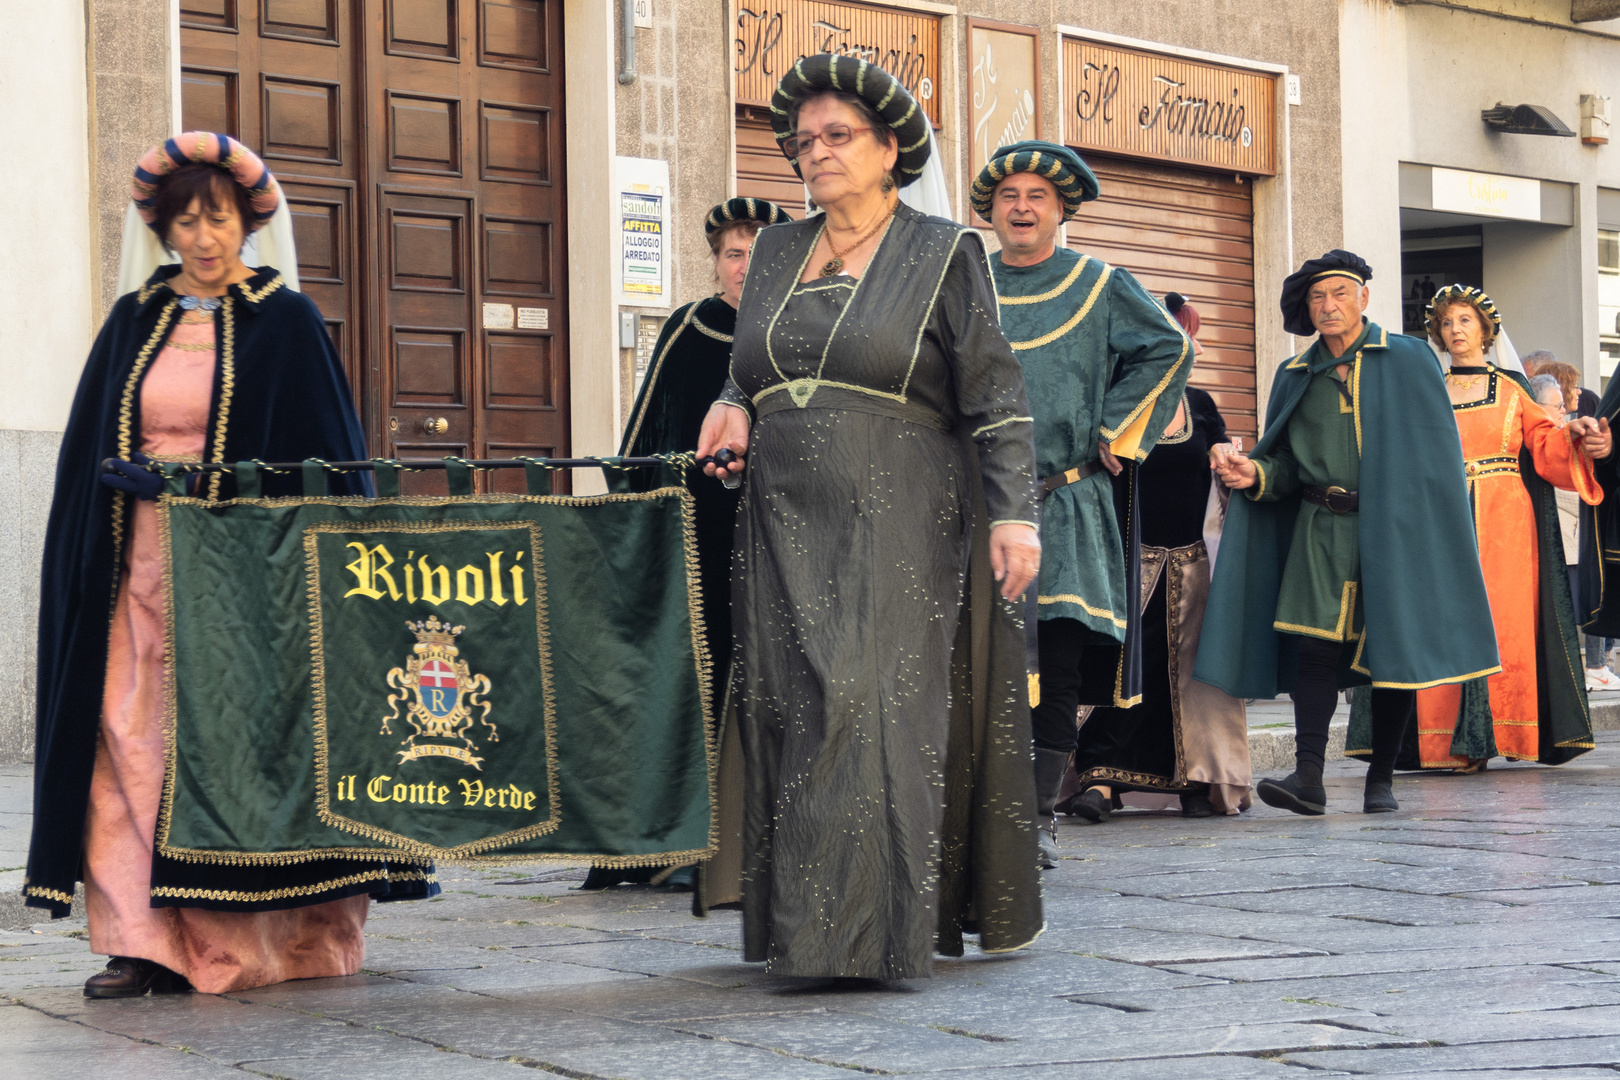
[1335, 499]
[1050, 484]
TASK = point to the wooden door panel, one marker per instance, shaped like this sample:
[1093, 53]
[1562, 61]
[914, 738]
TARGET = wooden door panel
[303, 121]
[208, 14]
[424, 134]
[427, 245]
[301, 20]
[429, 365]
[517, 257]
[512, 34]
[426, 28]
[209, 100]
[520, 376]
[514, 143]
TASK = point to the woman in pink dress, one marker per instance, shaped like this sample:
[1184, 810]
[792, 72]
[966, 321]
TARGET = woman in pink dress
[211, 360]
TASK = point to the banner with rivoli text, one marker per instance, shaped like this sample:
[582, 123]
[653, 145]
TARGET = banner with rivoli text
[474, 678]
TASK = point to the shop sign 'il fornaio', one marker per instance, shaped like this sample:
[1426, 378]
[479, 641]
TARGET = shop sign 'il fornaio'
[1168, 108]
[772, 37]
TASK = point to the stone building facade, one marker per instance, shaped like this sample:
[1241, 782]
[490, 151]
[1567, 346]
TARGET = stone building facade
[1235, 138]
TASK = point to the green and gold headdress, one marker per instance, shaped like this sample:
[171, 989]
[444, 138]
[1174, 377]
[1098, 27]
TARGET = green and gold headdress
[1068, 172]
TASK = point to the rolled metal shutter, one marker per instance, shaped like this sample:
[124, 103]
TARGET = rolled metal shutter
[1181, 230]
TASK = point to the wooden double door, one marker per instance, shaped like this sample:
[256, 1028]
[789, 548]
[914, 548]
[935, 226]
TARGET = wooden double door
[420, 145]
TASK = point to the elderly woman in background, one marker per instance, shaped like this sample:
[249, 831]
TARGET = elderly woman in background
[1578, 400]
[867, 353]
[1598, 674]
[1514, 457]
[689, 368]
[212, 360]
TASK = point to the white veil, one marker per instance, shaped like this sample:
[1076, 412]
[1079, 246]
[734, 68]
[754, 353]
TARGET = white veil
[929, 194]
[270, 246]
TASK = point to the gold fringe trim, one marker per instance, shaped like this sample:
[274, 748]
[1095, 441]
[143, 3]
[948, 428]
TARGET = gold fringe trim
[126, 439]
[269, 287]
[231, 895]
[1078, 601]
[48, 894]
[227, 382]
[1436, 682]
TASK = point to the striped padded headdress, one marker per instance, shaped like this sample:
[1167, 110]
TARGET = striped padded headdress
[733, 210]
[1468, 294]
[1068, 172]
[829, 71]
[205, 147]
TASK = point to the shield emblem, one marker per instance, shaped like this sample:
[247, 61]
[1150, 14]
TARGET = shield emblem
[438, 688]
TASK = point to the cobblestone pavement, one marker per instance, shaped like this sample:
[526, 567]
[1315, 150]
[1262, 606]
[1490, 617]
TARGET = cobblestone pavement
[1476, 934]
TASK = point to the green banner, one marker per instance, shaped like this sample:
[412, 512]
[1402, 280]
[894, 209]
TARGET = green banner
[500, 678]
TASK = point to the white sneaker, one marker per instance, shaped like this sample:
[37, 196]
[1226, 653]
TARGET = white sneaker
[1601, 679]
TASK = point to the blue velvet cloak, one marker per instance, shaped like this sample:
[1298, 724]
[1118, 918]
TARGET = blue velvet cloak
[279, 395]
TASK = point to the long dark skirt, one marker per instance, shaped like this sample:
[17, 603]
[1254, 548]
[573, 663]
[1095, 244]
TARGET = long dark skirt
[851, 550]
[1184, 735]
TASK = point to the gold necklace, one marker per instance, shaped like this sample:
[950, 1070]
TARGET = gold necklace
[833, 265]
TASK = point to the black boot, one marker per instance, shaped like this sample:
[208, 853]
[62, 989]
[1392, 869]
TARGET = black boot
[1050, 767]
[1391, 712]
[1092, 805]
[1379, 796]
[1300, 791]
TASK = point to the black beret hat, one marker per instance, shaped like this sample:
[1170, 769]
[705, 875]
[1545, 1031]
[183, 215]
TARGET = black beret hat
[734, 210]
[828, 71]
[1073, 178]
[1336, 263]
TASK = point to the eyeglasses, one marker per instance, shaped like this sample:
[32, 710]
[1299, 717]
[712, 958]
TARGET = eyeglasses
[832, 135]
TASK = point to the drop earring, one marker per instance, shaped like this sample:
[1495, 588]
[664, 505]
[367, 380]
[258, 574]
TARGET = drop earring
[888, 184]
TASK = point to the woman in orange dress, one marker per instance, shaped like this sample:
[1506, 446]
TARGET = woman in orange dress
[1535, 708]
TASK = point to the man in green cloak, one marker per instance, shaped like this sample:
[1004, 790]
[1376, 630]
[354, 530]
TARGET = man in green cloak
[1352, 558]
[1105, 367]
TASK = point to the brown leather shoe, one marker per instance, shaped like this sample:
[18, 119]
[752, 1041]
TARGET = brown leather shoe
[124, 977]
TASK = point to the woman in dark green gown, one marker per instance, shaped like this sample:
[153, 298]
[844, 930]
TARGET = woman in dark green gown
[889, 806]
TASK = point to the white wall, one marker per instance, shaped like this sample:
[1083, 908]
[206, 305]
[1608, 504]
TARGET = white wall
[1542, 277]
[46, 310]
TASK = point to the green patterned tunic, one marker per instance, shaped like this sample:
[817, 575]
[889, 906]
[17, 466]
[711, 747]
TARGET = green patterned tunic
[1072, 320]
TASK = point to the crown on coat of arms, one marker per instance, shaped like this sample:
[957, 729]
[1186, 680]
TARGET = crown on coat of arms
[434, 632]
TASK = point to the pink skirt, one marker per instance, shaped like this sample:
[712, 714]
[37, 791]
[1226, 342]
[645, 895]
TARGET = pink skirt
[217, 951]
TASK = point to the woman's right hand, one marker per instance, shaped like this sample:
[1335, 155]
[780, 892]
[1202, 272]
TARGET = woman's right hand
[724, 428]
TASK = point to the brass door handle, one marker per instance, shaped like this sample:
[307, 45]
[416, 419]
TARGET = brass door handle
[435, 425]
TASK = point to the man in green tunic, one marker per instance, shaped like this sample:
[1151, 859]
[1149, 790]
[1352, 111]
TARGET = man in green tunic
[1105, 367]
[1352, 559]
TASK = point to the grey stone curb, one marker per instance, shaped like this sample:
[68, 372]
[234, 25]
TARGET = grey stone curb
[1272, 749]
